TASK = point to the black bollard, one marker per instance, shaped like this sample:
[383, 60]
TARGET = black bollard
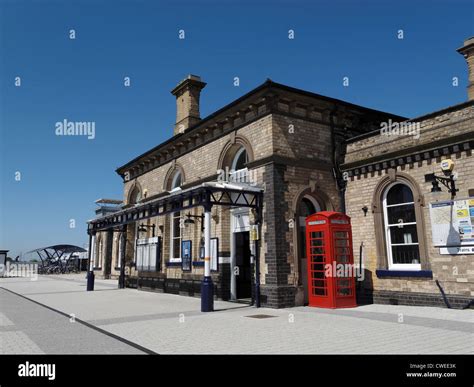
[90, 280]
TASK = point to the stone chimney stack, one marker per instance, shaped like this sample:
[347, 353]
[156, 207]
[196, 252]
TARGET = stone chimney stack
[468, 52]
[187, 94]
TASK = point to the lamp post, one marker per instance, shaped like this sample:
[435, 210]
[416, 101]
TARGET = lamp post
[189, 219]
[448, 182]
[143, 227]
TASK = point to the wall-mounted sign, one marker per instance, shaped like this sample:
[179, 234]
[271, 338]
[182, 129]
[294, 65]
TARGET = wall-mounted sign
[452, 222]
[186, 255]
[456, 250]
[315, 222]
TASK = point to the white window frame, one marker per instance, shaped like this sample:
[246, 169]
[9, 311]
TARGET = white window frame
[175, 187]
[239, 174]
[174, 183]
[388, 239]
[98, 262]
[173, 237]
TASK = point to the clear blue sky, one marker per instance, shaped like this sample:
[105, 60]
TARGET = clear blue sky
[82, 80]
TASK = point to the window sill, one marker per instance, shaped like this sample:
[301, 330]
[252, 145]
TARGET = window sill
[404, 273]
[97, 268]
[173, 264]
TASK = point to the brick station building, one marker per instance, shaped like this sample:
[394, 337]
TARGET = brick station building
[305, 153]
[388, 172]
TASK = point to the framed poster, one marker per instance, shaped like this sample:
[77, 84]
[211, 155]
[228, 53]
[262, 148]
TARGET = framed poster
[186, 255]
[214, 254]
[452, 222]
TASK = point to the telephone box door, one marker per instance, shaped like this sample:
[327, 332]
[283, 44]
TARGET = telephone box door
[330, 261]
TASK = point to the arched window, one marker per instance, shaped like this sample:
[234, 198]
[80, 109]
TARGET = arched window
[175, 226]
[401, 236]
[176, 181]
[238, 167]
[308, 206]
[135, 195]
[240, 159]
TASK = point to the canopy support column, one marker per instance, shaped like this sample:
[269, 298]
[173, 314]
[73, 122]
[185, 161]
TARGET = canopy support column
[123, 245]
[90, 264]
[207, 287]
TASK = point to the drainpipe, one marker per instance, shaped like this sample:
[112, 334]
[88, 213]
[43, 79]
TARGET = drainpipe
[361, 251]
[341, 188]
[445, 299]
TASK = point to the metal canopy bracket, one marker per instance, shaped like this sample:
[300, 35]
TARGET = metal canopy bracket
[200, 196]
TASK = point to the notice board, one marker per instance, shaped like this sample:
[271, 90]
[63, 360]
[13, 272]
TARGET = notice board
[452, 222]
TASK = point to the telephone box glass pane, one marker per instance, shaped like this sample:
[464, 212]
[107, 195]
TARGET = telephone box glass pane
[341, 234]
[317, 266]
[318, 274]
[343, 258]
[317, 234]
[317, 242]
[342, 242]
[319, 283]
[317, 250]
[317, 258]
[344, 283]
[342, 250]
[344, 291]
[319, 291]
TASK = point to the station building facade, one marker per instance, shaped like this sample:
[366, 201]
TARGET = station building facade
[409, 255]
[306, 153]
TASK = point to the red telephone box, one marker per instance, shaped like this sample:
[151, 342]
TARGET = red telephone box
[331, 273]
